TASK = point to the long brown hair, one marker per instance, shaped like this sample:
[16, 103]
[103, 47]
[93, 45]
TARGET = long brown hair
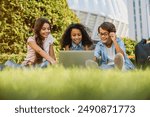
[38, 38]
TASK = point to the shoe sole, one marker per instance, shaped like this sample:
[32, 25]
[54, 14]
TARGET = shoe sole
[91, 64]
[119, 61]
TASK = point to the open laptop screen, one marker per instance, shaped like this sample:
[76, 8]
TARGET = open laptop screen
[75, 58]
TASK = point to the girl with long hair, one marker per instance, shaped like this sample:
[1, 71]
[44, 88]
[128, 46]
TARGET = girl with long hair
[40, 50]
[75, 37]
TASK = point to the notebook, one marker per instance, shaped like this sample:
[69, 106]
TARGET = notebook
[75, 58]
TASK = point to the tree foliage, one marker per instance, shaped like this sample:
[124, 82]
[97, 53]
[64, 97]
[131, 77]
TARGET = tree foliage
[130, 46]
[17, 18]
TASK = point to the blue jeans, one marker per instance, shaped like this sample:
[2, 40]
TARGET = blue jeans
[105, 66]
[43, 64]
[12, 64]
[1, 67]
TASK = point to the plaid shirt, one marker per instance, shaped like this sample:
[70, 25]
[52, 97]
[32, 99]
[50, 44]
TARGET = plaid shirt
[77, 47]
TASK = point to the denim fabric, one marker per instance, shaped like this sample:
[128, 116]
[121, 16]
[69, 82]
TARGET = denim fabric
[43, 64]
[1, 67]
[100, 50]
[12, 64]
[77, 47]
[105, 66]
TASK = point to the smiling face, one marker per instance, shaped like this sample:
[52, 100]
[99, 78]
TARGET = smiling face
[104, 35]
[45, 30]
[76, 36]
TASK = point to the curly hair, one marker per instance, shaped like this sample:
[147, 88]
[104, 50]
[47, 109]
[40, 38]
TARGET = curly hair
[66, 37]
[38, 38]
[107, 26]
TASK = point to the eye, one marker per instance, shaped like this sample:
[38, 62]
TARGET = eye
[45, 29]
[101, 34]
[74, 35]
[79, 34]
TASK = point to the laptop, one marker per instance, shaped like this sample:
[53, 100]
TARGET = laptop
[75, 58]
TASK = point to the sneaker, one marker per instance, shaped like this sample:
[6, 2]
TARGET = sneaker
[119, 61]
[91, 64]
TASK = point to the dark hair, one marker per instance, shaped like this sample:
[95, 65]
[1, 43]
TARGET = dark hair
[66, 37]
[37, 28]
[110, 27]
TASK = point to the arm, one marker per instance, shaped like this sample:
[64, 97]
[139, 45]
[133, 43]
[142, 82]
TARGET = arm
[97, 52]
[51, 52]
[34, 46]
[67, 47]
[95, 59]
[117, 47]
[86, 47]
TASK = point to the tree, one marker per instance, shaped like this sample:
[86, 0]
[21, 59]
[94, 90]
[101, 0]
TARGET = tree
[18, 16]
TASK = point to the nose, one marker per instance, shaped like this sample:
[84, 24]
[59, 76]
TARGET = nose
[76, 37]
[47, 30]
[102, 36]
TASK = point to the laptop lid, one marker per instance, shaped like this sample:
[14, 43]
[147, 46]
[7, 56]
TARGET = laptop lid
[75, 58]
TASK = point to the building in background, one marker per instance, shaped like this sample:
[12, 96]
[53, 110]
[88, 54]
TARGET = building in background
[94, 12]
[139, 19]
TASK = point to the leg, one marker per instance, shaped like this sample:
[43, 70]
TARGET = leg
[1, 67]
[119, 61]
[106, 67]
[44, 64]
[12, 64]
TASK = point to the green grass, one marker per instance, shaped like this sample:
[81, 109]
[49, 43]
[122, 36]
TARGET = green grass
[58, 83]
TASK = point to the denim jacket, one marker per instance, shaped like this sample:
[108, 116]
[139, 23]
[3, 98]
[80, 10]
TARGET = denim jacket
[100, 50]
[77, 47]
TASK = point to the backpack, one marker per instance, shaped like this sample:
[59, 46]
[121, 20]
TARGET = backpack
[142, 54]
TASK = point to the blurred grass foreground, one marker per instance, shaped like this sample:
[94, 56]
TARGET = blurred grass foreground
[58, 83]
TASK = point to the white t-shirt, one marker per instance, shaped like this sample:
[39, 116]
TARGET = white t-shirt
[46, 44]
[31, 54]
[111, 55]
[48, 41]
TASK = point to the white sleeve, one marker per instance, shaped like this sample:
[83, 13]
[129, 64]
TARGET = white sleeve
[50, 39]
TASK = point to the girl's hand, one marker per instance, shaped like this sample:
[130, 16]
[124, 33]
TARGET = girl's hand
[53, 62]
[112, 36]
[148, 41]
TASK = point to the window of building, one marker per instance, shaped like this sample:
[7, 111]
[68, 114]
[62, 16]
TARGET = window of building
[149, 6]
[140, 12]
[134, 10]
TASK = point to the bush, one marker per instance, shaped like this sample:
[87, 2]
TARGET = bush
[18, 16]
[18, 58]
[130, 46]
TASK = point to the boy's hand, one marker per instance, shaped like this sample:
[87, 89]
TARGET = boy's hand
[112, 36]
